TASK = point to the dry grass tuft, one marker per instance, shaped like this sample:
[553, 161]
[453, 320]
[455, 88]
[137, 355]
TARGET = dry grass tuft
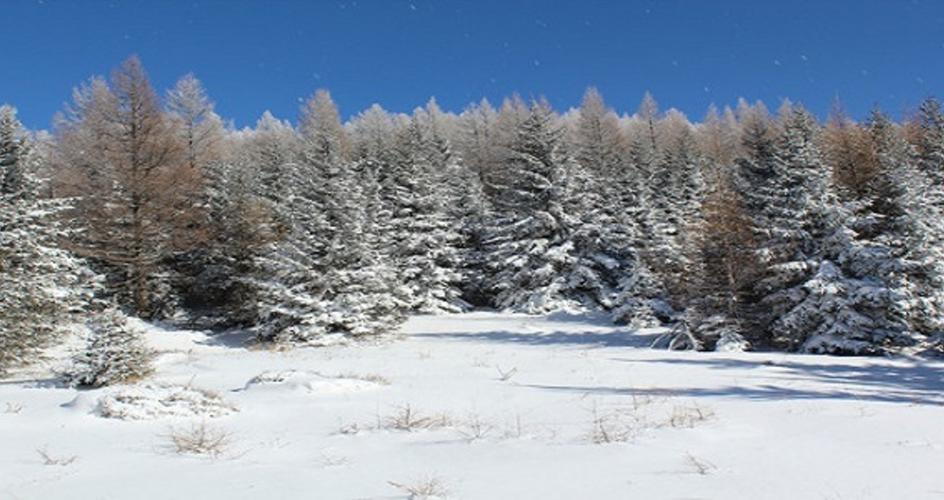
[49, 459]
[506, 375]
[13, 408]
[408, 419]
[429, 488]
[688, 416]
[200, 439]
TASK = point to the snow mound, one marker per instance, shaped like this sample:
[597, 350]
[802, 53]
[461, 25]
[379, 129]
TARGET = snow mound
[150, 402]
[309, 381]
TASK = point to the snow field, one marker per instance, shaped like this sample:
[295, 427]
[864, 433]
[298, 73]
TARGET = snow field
[480, 405]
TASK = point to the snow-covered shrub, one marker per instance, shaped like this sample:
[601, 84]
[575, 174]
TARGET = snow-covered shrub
[114, 353]
[711, 333]
[314, 382]
[149, 402]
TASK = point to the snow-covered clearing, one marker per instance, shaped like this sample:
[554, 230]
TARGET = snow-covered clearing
[485, 406]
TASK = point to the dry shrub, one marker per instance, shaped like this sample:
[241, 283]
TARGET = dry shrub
[408, 419]
[200, 439]
[428, 488]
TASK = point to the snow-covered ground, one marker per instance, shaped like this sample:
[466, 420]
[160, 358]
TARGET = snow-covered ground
[482, 406]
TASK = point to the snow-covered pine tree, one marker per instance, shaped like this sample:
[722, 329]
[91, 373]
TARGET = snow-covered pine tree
[856, 302]
[290, 272]
[605, 194]
[531, 254]
[763, 187]
[364, 295]
[41, 285]
[928, 139]
[477, 146]
[913, 228]
[240, 226]
[115, 353]
[332, 275]
[804, 237]
[424, 236]
[674, 207]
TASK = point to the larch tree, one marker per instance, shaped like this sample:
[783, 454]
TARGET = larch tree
[120, 155]
[727, 266]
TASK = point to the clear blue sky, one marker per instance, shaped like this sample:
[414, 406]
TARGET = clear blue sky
[258, 55]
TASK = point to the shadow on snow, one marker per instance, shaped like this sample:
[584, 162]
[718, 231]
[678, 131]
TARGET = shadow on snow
[911, 383]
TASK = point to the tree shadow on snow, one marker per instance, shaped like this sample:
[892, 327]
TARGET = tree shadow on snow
[233, 338]
[912, 383]
[628, 338]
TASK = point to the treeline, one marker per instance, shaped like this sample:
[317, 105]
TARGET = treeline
[749, 229]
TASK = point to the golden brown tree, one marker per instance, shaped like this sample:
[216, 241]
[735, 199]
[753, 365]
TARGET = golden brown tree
[849, 153]
[120, 157]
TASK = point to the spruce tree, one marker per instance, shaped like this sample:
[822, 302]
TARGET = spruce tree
[425, 241]
[114, 353]
[532, 264]
[42, 287]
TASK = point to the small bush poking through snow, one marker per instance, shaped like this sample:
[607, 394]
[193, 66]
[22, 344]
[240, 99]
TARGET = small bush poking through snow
[13, 408]
[609, 428]
[49, 459]
[699, 466]
[200, 439]
[475, 428]
[408, 419]
[425, 489]
[314, 382]
[689, 416]
[114, 353]
[151, 402]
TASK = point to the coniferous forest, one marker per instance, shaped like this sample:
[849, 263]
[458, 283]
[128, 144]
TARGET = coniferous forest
[747, 229]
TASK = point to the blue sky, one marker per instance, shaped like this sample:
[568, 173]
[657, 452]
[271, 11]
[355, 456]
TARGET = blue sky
[258, 55]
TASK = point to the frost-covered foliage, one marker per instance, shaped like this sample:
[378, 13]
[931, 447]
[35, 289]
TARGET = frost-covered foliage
[328, 273]
[748, 230]
[41, 285]
[424, 235]
[533, 260]
[115, 353]
[150, 402]
[641, 300]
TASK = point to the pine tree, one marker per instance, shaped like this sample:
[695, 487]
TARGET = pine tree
[328, 273]
[240, 225]
[531, 253]
[115, 353]
[41, 285]
[674, 209]
[929, 142]
[605, 196]
[425, 242]
[856, 302]
[288, 279]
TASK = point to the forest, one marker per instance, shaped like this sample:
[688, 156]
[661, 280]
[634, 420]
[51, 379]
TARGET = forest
[750, 229]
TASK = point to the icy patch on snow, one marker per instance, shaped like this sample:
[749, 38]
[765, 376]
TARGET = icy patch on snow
[309, 381]
[150, 402]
